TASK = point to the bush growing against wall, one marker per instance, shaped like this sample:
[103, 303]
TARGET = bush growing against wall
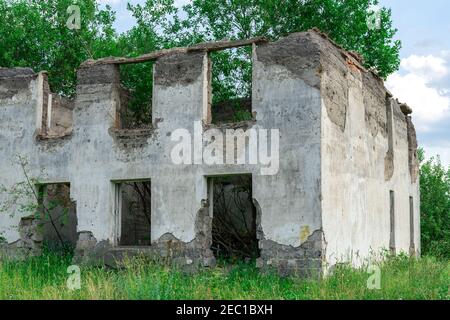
[434, 207]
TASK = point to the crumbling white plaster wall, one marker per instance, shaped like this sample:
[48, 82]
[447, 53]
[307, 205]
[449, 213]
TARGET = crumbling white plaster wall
[356, 179]
[330, 186]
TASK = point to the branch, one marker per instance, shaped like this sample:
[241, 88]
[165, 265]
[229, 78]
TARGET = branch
[32, 187]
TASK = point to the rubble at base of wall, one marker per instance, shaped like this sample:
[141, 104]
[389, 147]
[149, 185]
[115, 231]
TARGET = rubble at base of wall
[89, 251]
[305, 261]
[167, 250]
[29, 244]
[16, 252]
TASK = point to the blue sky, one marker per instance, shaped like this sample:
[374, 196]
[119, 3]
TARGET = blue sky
[423, 80]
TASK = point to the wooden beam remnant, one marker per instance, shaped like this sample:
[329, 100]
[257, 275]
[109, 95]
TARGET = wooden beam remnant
[206, 46]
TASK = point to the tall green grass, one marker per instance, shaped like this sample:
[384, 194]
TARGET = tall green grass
[45, 278]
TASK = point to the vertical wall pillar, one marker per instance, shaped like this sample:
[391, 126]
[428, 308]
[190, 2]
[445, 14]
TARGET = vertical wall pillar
[286, 96]
[181, 224]
[389, 159]
[94, 115]
[20, 96]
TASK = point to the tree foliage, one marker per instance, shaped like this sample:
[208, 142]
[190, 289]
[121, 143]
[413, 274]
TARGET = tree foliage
[345, 21]
[204, 20]
[435, 207]
[33, 34]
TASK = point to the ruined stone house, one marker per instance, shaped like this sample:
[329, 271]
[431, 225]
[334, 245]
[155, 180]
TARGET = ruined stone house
[347, 184]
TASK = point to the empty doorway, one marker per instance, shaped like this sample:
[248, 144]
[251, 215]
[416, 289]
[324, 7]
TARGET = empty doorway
[133, 213]
[57, 219]
[234, 218]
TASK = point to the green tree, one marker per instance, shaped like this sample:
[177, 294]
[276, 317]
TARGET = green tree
[345, 21]
[34, 34]
[149, 34]
[435, 207]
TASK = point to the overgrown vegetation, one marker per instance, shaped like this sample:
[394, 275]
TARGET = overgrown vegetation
[434, 207]
[29, 198]
[45, 277]
[33, 34]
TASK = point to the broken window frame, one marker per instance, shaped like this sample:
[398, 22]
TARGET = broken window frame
[117, 211]
[392, 242]
[127, 96]
[210, 78]
[46, 109]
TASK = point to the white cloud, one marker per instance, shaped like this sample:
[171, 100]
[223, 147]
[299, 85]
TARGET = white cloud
[110, 2]
[428, 104]
[413, 85]
[443, 150]
[445, 54]
[428, 67]
[180, 3]
[177, 3]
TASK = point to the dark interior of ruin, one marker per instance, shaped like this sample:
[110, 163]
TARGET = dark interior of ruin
[135, 213]
[57, 217]
[234, 218]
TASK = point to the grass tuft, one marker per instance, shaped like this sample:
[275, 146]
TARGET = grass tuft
[45, 277]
